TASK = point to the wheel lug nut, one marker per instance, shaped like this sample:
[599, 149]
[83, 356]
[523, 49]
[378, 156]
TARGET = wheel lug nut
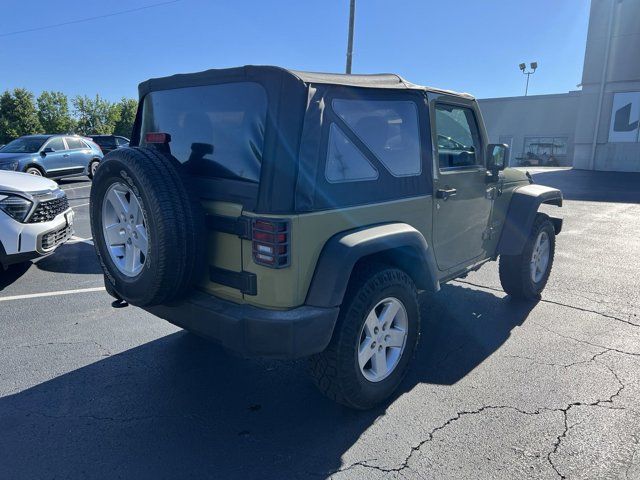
[376, 330]
[373, 345]
[380, 348]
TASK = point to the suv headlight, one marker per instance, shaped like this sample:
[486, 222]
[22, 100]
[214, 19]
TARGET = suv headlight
[16, 207]
[9, 166]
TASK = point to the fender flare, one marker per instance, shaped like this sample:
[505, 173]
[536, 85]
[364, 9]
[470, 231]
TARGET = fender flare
[342, 251]
[521, 213]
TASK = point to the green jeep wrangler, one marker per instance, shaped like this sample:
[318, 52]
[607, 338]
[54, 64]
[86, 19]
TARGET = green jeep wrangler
[289, 214]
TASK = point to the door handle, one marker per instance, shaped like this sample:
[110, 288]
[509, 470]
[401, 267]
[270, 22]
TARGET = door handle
[445, 193]
[65, 155]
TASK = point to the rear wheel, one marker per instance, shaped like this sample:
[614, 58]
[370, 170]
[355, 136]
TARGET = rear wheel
[524, 276]
[93, 167]
[373, 342]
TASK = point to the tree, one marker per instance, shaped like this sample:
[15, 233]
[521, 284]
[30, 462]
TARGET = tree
[95, 115]
[127, 108]
[53, 112]
[18, 115]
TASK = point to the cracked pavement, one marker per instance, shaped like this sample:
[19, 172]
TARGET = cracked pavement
[498, 389]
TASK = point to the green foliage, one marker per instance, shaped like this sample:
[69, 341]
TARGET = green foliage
[95, 115]
[127, 108]
[53, 112]
[21, 115]
[18, 115]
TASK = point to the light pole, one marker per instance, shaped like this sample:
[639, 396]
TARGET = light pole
[523, 67]
[352, 14]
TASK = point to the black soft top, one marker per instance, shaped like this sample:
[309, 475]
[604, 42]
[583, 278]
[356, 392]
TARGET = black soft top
[257, 72]
[299, 115]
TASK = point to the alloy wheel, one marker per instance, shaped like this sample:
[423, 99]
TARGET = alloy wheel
[540, 257]
[382, 339]
[124, 229]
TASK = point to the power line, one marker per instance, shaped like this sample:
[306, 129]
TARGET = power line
[88, 19]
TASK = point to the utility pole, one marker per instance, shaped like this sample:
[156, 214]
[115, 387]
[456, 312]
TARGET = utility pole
[523, 67]
[352, 15]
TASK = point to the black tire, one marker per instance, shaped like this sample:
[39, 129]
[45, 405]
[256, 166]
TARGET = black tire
[515, 270]
[336, 371]
[174, 220]
[90, 168]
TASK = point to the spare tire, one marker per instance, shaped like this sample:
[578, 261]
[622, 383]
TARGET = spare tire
[148, 229]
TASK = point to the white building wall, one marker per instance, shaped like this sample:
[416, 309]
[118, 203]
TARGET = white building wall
[614, 27]
[544, 116]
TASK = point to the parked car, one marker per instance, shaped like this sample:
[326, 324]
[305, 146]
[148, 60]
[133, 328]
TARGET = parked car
[109, 142]
[53, 156]
[35, 217]
[290, 214]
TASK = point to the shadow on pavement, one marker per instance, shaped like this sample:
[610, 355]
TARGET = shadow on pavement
[77, 258]
[586, 185]
[179, 407]
[13, 274]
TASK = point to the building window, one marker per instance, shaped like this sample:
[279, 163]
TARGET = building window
[544, 151]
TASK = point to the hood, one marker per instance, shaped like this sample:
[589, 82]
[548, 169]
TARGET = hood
[23, 182]
[8, 157]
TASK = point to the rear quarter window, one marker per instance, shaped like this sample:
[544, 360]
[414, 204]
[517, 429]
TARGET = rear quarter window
[216, 130]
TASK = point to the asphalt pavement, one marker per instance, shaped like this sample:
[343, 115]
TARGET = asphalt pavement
[498, 389]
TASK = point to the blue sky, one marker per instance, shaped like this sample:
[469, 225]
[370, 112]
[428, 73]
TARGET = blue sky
[467, 45]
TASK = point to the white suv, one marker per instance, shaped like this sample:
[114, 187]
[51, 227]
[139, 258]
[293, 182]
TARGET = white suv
[35, 217]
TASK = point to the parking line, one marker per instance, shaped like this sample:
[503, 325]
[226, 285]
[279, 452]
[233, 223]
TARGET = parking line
[75, 188]
[51, 294]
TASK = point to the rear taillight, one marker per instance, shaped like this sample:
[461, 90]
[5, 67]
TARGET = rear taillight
[157, 137]
[270, 240]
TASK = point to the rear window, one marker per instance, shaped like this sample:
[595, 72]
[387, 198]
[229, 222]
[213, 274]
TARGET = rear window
[216, 130]
[75, 143]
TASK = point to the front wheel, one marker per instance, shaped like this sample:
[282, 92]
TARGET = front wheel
[524, 276]
[373, 342]
[34, 171]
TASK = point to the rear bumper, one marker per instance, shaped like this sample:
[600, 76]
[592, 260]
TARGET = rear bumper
[252, 331]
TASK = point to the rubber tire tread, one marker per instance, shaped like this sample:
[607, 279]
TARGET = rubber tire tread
[178, 220]
[514, 270]
[332, 370]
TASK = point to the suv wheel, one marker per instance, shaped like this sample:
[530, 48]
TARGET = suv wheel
[524, 276]
[93, 167]
[374, 339]
[34, 171]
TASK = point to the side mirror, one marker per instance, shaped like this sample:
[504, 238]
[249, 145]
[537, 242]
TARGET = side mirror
[497, 156]
[46, 150]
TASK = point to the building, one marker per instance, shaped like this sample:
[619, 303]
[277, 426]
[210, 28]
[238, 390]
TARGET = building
[596, 128]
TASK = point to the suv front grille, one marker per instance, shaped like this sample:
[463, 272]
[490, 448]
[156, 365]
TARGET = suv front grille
[53, 239]
[48, 210]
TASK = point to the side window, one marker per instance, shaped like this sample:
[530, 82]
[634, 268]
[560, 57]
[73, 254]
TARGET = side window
[56, 144]
[74, 143]
[389, 128]
[345, 162]
[458, 137]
